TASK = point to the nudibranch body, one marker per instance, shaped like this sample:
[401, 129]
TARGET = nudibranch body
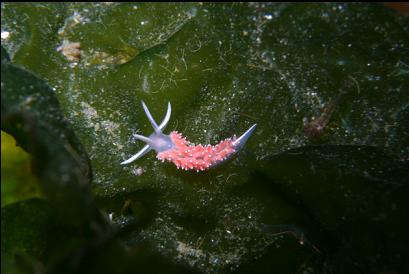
[176, 149]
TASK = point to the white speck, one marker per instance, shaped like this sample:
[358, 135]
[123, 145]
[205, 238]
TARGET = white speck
[5, 34]
[145, 84]
[110, 127]
[89, 111]
[138, 171]
[71, 50]
[192, 13]
[268, 16]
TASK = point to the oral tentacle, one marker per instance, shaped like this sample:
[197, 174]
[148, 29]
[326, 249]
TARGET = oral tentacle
[142, 138]
[138, 155]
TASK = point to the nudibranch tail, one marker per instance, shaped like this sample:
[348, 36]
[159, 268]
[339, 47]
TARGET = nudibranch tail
[176, 149]
[239, 142]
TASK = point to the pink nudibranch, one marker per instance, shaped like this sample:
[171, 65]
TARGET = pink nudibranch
[176, 149]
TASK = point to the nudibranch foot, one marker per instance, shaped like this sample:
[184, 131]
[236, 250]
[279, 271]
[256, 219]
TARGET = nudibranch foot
[176, 149]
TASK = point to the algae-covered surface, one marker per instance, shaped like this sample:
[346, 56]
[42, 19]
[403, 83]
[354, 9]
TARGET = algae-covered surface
[320, 187]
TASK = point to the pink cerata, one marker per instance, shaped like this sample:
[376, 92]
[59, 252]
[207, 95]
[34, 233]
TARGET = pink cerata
[176, 149]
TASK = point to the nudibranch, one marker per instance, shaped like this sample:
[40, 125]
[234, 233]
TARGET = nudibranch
[185, 155]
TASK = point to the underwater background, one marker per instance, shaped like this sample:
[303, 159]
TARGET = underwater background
[321, 186]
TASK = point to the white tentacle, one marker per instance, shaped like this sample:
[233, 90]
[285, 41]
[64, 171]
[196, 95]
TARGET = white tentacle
[167, 117]
[138, 155]
[148, 148]
[239, 142]
[149, 115]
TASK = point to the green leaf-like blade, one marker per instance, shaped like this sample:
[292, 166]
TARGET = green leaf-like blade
[367, 189]
[30, 112]
[333, 74]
